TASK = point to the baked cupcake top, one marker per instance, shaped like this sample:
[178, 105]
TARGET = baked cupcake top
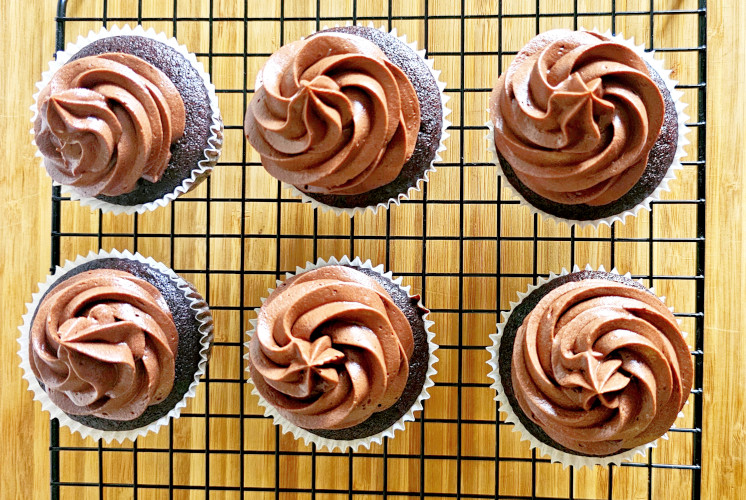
[333, 115]
[576, 116]
[104, 343]
[600, 366]
[106, 121]
[330, 349]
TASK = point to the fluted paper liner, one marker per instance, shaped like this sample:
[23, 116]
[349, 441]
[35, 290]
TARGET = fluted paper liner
[344, 445]
[201, 313]
[420, 182]
[201, 170]
[676, 95]
[555, 455]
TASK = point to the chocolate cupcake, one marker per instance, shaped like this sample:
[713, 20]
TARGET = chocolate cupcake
[350, 118]
[341, 355]
[113, 344]
[591, 367]
[126, 120]
[586, 128]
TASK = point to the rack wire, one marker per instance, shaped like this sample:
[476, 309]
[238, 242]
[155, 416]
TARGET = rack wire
[464, 244]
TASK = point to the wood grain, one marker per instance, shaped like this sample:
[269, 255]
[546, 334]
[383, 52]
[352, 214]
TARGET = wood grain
[25, 190]
[27, 45]
[725, 352]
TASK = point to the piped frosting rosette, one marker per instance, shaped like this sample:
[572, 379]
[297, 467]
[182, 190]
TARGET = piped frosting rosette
[332, 115]
[103, 122]
[342, 102]
[576, 116]
[329, 349]
[107, 121]
[598, 369]
[103, 343]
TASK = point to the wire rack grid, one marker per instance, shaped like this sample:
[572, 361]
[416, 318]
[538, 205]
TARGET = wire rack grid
[462, 242]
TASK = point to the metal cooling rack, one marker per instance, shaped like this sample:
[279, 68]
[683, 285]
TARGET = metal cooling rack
[422, 463]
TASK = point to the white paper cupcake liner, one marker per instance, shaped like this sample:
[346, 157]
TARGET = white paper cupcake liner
[425, 177]
[344, 445]
[201, 313]
[555, 455]
[215, 141]
[676, 95]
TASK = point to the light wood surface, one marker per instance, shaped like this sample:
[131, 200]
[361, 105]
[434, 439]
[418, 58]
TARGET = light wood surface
[27, 45]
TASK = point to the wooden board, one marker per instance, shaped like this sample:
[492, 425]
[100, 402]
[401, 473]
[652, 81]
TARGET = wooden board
[25, 195]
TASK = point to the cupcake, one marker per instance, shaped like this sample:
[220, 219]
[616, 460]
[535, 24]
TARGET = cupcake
[349, 118]
[126, 120]
[591, 367]
[586, 128]
[113, 344]
[341, 355]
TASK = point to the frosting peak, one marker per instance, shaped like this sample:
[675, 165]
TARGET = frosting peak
[601, 366]
[576, 116]
[330, 349]
[104, 343]
[107, 121]
[331, 114]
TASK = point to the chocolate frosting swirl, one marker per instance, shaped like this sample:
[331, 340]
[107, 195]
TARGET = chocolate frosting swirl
[601, 367]
[331, 114]
[107, 121]
[103, 343]
[330, 349]
[576, 116]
